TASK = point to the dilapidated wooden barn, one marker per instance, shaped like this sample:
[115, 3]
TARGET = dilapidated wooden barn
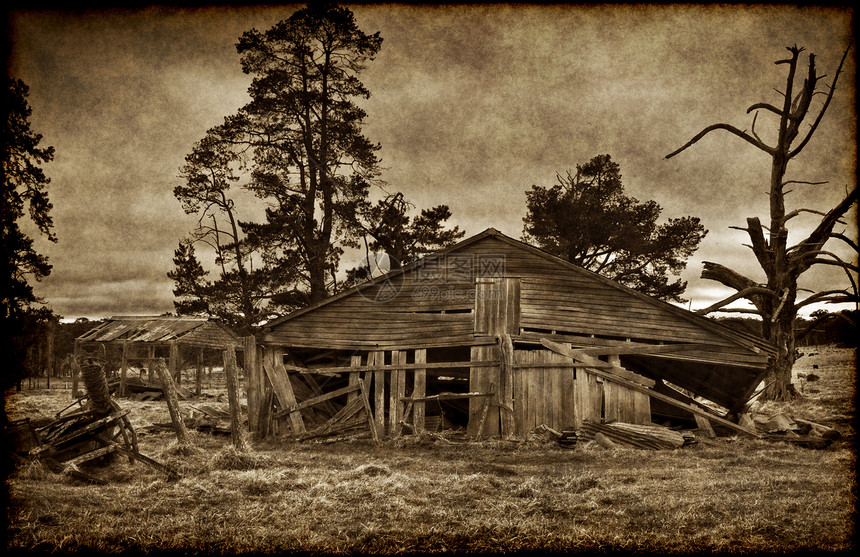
[498, 337]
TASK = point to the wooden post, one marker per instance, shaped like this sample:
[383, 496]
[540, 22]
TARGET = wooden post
[123, 369]
[150, 358]
[419, 389]
[254, 383]
[76, 370]
[173, 363]
[172, 402]
[198, 379]
[282, 387]
[396, 393]
[233, 397]
[506, 390]
[354, 361]
[379, 391]
[366, 400]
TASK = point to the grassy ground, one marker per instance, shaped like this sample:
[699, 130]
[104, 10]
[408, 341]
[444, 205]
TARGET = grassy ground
[423, 494]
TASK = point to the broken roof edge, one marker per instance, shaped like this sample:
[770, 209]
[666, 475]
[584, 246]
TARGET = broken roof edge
[147, 319]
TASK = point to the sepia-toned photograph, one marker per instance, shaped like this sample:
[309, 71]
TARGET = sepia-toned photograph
[396, 278]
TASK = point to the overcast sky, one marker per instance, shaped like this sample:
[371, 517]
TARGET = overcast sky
[472, 106]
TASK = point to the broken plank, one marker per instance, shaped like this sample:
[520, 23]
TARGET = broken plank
[284, 391]
[365, 399]
[609, 371]
[319, 399]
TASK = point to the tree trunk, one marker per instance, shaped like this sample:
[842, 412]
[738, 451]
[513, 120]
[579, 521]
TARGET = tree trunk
[781, 333]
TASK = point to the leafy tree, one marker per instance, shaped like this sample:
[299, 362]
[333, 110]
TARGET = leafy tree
[776, 302]
[24, 190]
[588, 220]
[239, 292]
[387, 227]
[299, 145]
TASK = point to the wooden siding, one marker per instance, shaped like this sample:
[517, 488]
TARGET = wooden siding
[431, 303]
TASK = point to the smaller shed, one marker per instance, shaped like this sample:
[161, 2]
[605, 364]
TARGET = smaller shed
[145, 338]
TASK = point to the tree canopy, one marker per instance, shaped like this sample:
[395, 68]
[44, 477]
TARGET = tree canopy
[588, 220]
[387, 227]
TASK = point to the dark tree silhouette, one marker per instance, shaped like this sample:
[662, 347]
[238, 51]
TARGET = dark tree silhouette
[588, 220]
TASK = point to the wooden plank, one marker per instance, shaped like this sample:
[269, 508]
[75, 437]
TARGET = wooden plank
[73, 463]
[283, 388]
[506, 390]
[396, 393]
[317, 391]
[479, 430]
[354, 361]
[479, 382]
[613, 373]
[172, 402]
[568, 396]
[641, 408]
[695, 410]
[448, 396]
[255, 379]
[233, 398]
[419, 390]
[379, 391]
[532, 391]
[365, 399]
[174, 364]
[389, 367]
[705, 425]
[123, 369]
[319, 399]
[520, 393]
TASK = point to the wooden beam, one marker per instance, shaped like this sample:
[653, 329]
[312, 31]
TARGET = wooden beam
[233, 398]
[378, 357]
[284, 391]
[172, 402]
[317, 400]
[366, 400]
[387, 368]
[419, 389]
[506, 392]
[613, 372]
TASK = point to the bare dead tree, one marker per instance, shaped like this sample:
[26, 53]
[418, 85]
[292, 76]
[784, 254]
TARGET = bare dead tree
[776, 301]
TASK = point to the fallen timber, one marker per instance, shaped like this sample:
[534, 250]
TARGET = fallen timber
[100, 429]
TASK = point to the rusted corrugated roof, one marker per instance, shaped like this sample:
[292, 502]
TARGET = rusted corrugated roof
[149, 329]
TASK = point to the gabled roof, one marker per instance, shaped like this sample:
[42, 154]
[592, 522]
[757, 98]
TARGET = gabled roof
[744, 339]
[160, 329]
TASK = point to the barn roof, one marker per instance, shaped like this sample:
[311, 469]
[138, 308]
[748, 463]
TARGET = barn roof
[161, 329]
[747, 340]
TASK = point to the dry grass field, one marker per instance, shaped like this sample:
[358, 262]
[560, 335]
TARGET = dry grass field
[429, 494]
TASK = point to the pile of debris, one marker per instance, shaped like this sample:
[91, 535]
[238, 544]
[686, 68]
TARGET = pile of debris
[783, 427]
[611, 435]
[778, 427]
[87, 435]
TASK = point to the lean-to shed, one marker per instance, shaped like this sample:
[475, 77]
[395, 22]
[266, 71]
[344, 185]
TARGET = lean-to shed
[500, 337]
[143, 338]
